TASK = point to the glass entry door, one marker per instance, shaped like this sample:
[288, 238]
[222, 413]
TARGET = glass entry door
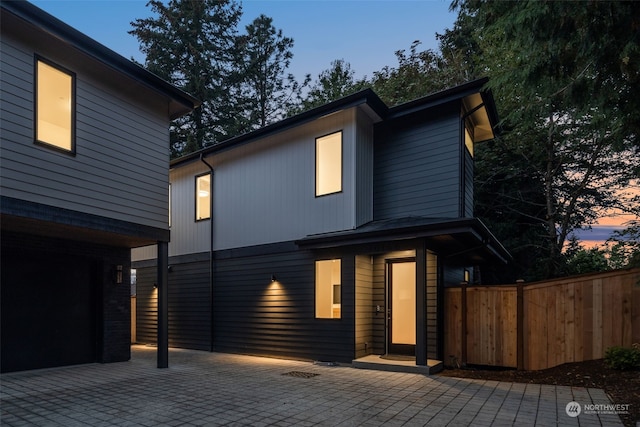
[402, 307]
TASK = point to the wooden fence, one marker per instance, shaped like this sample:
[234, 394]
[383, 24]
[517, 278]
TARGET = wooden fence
[543, 324]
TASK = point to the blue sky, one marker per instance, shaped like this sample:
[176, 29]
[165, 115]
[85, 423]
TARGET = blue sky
[365, 33]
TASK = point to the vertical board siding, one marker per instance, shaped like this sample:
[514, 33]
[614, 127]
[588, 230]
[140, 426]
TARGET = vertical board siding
[253, 315]
[364, 169]
[119, 170]
[564, 320]
[264, 191]
[365, 308]
[468, 184]
[417, 170]
[189, 305]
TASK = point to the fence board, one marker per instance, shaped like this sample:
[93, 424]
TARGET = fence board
[560, 321]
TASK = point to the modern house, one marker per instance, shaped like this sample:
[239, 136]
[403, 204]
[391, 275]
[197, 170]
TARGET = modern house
[84, 176]
[327, 236]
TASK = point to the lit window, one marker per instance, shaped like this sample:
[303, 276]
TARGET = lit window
[54, 106]
[468, 141]
[203, 197]
[169, 205]
[328, 289]
[329, 164]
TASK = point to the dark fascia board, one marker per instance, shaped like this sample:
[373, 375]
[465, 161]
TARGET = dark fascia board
[427, 228]
[366, 96]
[442, 97]
[74, 38]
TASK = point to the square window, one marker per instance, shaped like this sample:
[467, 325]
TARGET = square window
[203, 197]
[329, 164]
[328, 289]
[55, 106]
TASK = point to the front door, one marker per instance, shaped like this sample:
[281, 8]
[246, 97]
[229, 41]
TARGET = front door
[402, 307]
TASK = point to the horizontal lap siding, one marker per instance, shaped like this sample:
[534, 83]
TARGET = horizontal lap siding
[468, 184]
[417, 170]
[120, 169]
[252, 315]
[189, 312]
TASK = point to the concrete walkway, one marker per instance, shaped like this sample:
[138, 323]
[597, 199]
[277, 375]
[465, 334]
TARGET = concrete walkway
[201, 388]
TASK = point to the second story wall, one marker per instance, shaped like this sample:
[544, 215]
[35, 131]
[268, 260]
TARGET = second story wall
[417, 168]
[264, 191]
[119, 169]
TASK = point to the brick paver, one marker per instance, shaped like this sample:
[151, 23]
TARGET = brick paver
[204, 389]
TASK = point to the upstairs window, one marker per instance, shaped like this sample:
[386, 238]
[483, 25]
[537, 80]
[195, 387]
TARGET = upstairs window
[55, 106]
[203, 197]
[468, 141]
[328, 289]
[329, 164]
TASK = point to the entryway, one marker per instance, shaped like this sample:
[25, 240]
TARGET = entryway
[401, 314]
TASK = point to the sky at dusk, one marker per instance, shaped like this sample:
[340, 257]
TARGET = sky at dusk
[365, 33]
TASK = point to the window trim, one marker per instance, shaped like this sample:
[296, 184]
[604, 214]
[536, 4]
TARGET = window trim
[37, 60]
[315, 190]
[315, 290]
[195, 197]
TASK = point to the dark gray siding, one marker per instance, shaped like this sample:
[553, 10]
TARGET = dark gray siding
[417, 169]
[189, 303]
[120, 168]
[253, 315]
[468, 184]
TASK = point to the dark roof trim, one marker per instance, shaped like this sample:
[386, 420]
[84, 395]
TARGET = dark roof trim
[366, 96]
[69, 35]
[438, 98]
[406, 229]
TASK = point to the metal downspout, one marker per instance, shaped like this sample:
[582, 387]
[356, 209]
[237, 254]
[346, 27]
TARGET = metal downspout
[211, 259]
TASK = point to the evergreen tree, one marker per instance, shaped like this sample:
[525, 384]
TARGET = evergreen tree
[267, 90]
[190, 43]
[565, 78]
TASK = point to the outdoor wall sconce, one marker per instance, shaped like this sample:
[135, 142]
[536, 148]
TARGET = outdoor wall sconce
[118, 274]
[273, 278]
[467, 276]
[155, 286]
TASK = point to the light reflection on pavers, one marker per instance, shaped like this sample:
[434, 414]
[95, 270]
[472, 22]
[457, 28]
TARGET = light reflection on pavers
[207, 389]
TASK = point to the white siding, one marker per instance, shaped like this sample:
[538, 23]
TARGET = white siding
[120, 167]
[264, 192]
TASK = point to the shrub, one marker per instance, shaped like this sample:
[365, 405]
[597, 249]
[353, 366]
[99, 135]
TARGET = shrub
[623, 359]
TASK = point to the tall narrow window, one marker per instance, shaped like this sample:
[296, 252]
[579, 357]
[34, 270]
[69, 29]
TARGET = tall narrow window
[203, 197]
[169, 204]
[328, 289]
[55, 107]
[329, 164]
[468, 141]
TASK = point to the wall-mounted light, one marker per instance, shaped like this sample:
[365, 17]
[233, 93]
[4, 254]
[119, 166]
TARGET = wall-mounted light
[155, 286]
[273, 278]
[118, 274]
[466, 276]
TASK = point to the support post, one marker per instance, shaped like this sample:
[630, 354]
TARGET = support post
[520, 325]
[463, 289]
[421, 305]
[163, 306]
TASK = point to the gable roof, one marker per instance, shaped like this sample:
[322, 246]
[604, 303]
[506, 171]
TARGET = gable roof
[368, 100]
[180, 102]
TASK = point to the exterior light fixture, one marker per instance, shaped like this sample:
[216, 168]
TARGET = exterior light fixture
[467, 276]
[155, 286]
[118, 274]
[273, 278]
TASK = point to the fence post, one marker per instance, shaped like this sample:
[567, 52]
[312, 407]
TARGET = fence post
[463, 332]
[520, 324]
